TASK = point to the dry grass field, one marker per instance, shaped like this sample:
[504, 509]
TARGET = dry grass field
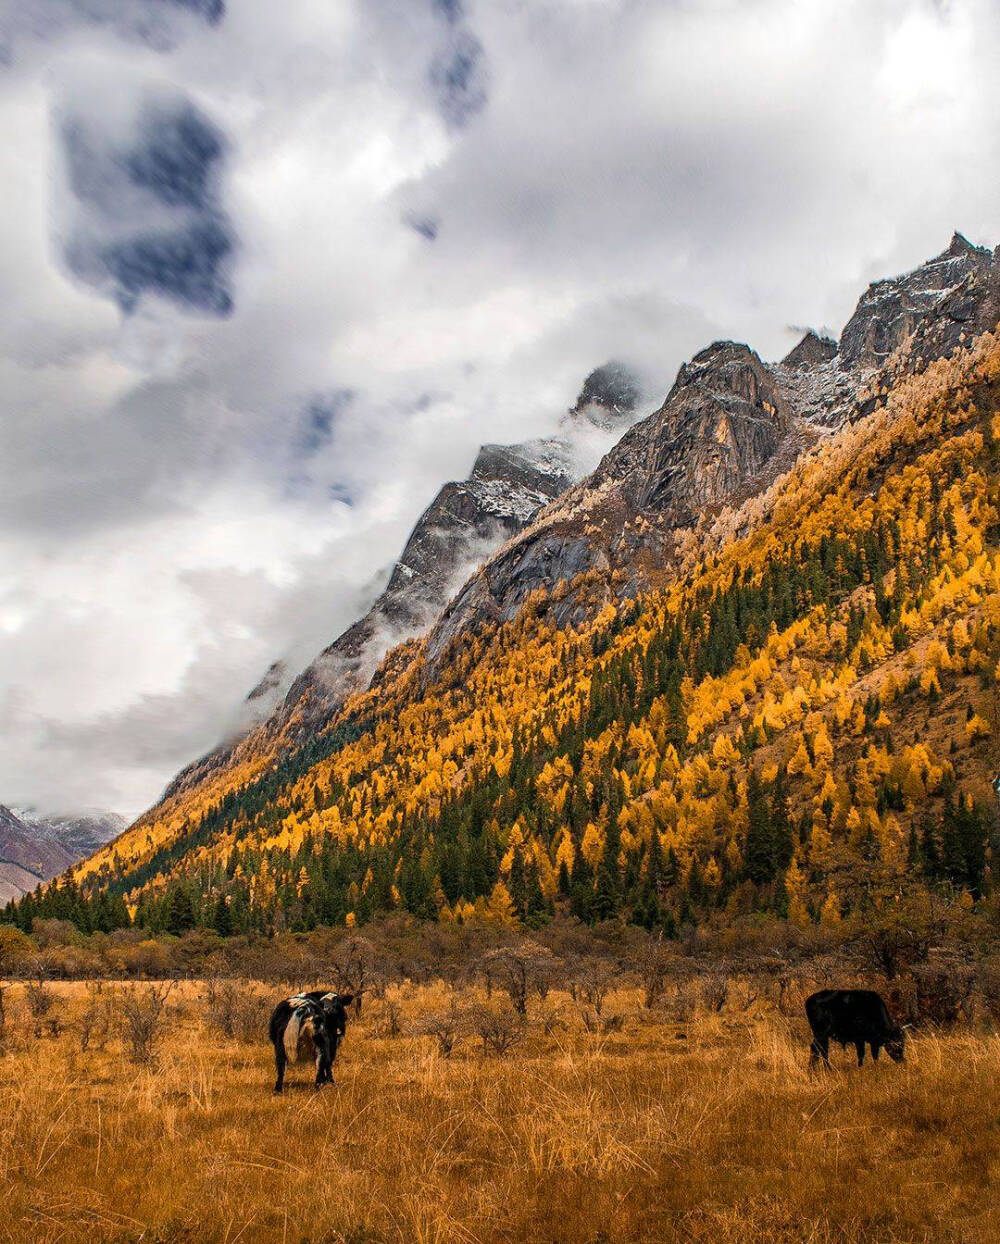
[687, 1124]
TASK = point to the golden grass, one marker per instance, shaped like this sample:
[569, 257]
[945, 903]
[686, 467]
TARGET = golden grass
[711, 1130]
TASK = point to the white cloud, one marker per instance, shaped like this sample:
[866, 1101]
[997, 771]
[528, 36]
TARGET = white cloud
[599, 179]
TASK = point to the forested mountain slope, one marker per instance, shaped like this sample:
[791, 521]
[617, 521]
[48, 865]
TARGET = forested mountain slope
[751, 658]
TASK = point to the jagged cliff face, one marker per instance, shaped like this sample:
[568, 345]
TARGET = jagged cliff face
[941, 303]
[729, 425]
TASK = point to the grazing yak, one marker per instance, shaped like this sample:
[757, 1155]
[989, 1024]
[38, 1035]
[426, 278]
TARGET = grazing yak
[309, 1024]
[855, 1017]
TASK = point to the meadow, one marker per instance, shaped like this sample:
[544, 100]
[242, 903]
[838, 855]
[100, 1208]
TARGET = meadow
[695, 1119]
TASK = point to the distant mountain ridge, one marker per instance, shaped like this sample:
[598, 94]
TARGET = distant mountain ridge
[33, 850]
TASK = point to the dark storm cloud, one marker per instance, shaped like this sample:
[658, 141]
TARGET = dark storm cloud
[150, 219]
[459, 78]
[318, 421]
[426, 226]
[158, 23]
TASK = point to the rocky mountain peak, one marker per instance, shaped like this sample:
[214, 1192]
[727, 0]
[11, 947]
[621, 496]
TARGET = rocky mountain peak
[954, 293]
[609, 395]
[813, 349]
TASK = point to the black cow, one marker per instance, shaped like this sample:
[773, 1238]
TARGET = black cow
[855, 1017]
[310, 1024]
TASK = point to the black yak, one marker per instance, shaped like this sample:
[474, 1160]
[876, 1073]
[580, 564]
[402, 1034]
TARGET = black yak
[855, 1017]
[309, 1024]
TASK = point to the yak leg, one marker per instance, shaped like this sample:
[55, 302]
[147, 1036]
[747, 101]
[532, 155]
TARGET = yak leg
[876, 1050]
[820, 1048]
[860, 1047]
[280, 1062]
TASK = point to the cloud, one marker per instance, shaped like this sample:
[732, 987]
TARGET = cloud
[142, 212]
[220, 222]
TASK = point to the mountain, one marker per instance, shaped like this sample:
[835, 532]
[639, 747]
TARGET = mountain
[748, 664]
[466, 522]
[32, 850]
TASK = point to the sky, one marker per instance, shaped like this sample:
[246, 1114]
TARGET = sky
[270, 273]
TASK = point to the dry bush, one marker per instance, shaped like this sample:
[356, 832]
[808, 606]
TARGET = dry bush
[237, 1010]
[552, 1018]
[500, 1028]
[594, 1022]
[518, 970]
[654, 963]
[681, 1002]
[943, 994]
[387, 1022]
[357, 968]
[446, 1027]
[39, 999]
[593, 979]
[713, 990]
[95, 1022]
[143, 1014]
[988, 983]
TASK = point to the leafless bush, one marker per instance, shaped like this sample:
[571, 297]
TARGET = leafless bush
[499, 1028]
[517, 969]
[595, 1023]
[143, 1012]
[714, 990]
[39, 998]
[552, 1019]
[445, 1027]
[594, 979]
[237, 1010]
[94, 1024]
[356, 967]
[654, 967]
[943, 994]
[988, 981]
[681, 1002]
[388, 1020]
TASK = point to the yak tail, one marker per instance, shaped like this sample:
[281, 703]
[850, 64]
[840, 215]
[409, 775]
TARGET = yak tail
[291, 1036]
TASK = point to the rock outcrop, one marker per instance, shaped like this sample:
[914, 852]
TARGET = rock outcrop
[952, 294]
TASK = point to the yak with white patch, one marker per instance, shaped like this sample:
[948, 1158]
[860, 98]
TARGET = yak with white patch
[309, 1025]
[857, 1017]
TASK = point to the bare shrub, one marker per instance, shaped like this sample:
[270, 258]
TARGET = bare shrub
[237, 1011]
[943, 994]
[518, 969]
[714, 991]
[388, 1020]
[445, 1027]
[143, 1013]
[553, 1019]
[499, 1028]
[356, 966]
[681, 1003]
[39, 999]
[654, 966]
[594, 979]
[595, 1023]
[988, 981]
[94, 1023]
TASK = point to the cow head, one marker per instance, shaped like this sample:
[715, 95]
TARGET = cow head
[335, 1011]
[894, 1045]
